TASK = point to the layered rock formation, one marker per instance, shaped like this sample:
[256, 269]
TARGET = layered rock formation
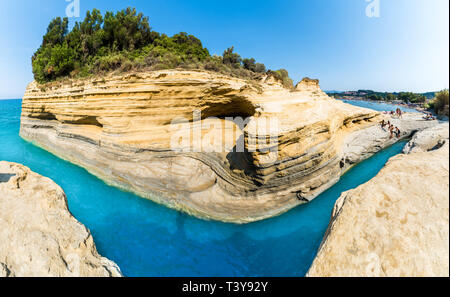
[170, 136]
[397, 224]
[309, 85]
[38, 235]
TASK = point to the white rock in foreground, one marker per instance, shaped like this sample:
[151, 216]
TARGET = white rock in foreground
[428, 139]
[397, 224]
[38, 234]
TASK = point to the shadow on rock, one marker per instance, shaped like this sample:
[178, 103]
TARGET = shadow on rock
[5, 177]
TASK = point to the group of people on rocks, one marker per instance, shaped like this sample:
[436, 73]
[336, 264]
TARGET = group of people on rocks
[398, 112]
[429, 117]
[393, 130]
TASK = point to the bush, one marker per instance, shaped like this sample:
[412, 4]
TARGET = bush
[56, 32]
[260, 68]
[283, 76]
[110, 62]
[249, 64]
[390, 97]
[374, 97]
[231, 58]
[441, 101]
[52, 62]
[214, 63]
[429, 105]
[409, 97]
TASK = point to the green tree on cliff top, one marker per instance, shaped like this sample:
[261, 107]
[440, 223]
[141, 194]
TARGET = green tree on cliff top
[123, 41]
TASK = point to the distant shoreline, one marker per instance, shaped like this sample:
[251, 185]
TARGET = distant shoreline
[411, 106]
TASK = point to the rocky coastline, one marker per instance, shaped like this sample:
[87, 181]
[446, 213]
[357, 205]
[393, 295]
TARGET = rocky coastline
[121, 129]
[397, 224]
[38, 235]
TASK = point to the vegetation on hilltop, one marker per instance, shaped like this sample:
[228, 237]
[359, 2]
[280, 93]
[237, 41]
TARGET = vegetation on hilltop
[440, 103]
[409, 97]
[124, 41]
[436, 101]
[283, 76]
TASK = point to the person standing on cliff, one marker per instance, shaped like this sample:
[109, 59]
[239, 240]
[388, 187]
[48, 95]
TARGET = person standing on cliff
[391, 131]
[397, 132]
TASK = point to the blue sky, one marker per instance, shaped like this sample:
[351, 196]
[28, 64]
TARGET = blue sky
[405, 49]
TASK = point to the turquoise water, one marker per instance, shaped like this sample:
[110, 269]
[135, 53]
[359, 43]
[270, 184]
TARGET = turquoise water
[379, 106]
[146, 239]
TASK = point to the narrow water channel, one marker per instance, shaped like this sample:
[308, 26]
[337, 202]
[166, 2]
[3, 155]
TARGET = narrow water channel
[146, 239]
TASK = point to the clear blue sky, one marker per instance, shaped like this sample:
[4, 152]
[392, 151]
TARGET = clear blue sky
[405, 49]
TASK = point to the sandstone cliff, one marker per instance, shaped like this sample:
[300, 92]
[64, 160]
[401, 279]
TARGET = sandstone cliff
[397, 224]
[122, 129]
[307, 84]
[38, 235]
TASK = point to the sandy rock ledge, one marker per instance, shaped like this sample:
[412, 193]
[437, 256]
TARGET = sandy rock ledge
[38, 234]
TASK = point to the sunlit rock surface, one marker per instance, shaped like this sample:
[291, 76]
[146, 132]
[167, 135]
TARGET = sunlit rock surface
[397, 224]
[428, 139]
[131, 130]
[38, 235]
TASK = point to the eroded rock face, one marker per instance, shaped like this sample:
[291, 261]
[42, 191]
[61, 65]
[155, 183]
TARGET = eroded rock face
[38, 235]
[122, 129]
[307, 84]
[397, 224]
[428, 139]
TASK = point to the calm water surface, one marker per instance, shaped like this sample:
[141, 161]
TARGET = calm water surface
[379, 106]
[146, 239]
